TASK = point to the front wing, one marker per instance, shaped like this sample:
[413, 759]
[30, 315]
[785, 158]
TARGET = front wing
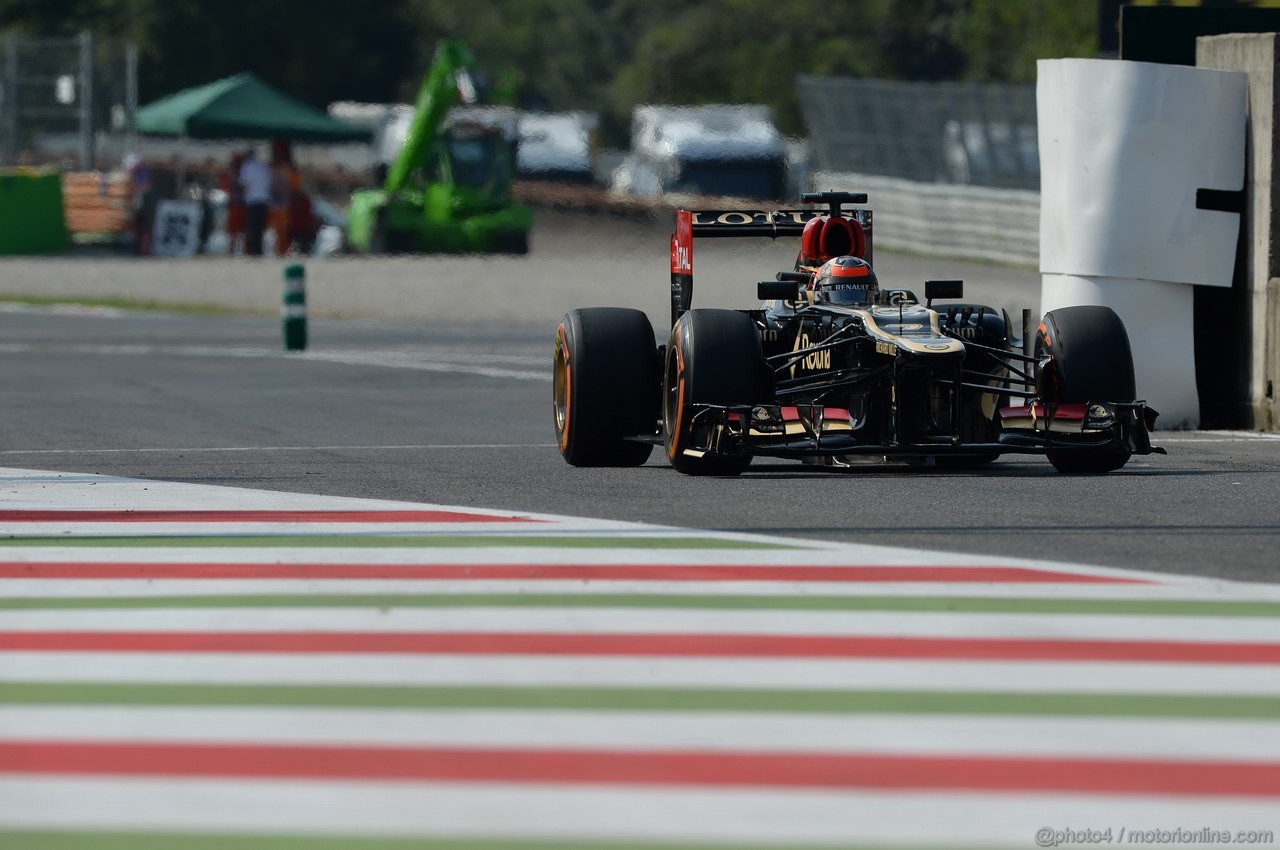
[801, 431]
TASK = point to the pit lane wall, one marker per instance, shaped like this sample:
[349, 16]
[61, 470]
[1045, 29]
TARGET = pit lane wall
[1255, 298]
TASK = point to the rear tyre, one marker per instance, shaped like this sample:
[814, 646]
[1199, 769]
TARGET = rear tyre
[1088, 359]
[713, 358]
[605, 386]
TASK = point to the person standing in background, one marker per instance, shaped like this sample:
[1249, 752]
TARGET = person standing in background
[142, 198]
[236, 212]
[255, 178]
[286, 183]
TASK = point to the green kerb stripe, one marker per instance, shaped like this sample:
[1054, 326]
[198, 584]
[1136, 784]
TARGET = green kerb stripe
[416, 541]
[644, 699]
[224, 841]
[955, 604]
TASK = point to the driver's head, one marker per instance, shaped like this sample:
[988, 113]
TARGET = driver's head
[847, 281]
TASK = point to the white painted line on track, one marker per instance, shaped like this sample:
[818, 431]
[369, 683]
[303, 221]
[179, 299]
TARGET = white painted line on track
[37, 489]
[462, 362]
[367, 669]
[429, 360]
[798, 552]
[1261, 438]
[267, 530]
[1124, 738]
[646, 621]
[153, 587]
[742, 818]
[1215, 437]
[195, 449]
[71, 308]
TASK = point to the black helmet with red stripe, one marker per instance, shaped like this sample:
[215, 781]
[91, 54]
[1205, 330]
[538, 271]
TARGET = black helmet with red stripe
[847, 281]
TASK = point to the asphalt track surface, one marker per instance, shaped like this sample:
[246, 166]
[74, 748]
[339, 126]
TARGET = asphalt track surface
[437, 389]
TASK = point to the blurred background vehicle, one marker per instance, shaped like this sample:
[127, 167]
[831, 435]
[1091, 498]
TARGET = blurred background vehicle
[556, 146]
[721, 150]
[448, 188]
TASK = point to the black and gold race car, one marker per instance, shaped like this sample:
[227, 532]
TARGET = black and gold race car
[835, 370]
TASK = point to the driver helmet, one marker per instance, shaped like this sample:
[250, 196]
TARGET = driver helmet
[847, 281]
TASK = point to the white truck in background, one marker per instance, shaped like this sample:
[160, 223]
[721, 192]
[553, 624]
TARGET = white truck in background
[716, 150]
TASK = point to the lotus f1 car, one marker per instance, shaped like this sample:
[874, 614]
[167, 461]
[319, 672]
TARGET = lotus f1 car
[834, 370]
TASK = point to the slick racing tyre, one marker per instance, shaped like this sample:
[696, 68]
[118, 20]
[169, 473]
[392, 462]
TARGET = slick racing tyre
[605, 386]
[713, 358]
[1082, 355]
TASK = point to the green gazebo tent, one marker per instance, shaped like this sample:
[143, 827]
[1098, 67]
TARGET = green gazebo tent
[242, 107]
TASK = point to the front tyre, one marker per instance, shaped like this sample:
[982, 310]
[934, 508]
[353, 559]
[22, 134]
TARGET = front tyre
[713, 358]
[1082, 355]
[605, 386]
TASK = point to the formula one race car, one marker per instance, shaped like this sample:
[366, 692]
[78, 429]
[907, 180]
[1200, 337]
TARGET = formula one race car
[834, 370]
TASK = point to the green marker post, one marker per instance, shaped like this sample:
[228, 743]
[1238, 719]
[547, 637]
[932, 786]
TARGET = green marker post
[295, 308]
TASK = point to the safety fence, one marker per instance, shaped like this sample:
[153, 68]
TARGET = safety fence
[945, 132]
[968, 222]
[61, 98]
[953, 168]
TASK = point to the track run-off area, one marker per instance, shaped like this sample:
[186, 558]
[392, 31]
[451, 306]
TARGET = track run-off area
[194, 666]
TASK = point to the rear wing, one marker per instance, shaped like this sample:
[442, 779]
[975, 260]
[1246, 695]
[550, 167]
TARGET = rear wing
[735, 223]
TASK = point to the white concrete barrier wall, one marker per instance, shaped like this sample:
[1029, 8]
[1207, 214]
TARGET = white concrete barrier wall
[1159, 321]
[1124, 147]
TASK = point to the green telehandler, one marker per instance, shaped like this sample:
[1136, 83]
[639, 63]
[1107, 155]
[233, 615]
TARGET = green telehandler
[449, 188]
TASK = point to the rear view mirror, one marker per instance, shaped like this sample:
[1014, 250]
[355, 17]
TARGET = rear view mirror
[943, 289]
[777, 290]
